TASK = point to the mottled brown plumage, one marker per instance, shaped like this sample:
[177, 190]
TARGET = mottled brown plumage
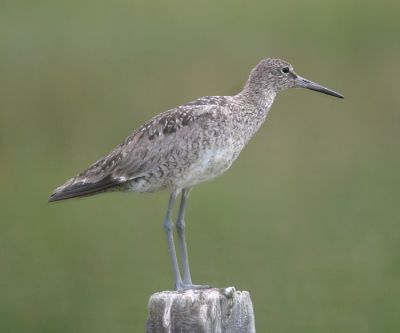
[187, 145]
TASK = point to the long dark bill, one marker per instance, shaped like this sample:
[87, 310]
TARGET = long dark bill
[304, 83]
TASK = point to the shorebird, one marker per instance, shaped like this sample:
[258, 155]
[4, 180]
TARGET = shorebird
[188, 145]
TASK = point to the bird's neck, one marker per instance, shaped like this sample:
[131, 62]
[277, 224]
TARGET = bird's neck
[253, 110]
[260, 98]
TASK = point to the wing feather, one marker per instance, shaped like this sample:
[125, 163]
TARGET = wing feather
[145, 148]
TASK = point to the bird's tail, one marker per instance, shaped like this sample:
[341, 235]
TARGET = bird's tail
[75, 188]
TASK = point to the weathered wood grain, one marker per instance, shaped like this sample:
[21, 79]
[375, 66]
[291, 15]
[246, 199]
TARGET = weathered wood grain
[201, 311]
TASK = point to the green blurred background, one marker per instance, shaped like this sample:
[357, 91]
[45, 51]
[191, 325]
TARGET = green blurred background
[307, 219]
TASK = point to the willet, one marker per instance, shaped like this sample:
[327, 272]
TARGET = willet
[187, 145]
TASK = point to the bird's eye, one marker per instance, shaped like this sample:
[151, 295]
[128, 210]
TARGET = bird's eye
[285, 70]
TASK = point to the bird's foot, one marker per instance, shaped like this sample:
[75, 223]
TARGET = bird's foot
[188, 286]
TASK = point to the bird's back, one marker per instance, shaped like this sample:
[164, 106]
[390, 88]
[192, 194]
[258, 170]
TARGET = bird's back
[177, 148]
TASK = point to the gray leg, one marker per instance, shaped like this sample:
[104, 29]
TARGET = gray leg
[168, 226]
[180, 228]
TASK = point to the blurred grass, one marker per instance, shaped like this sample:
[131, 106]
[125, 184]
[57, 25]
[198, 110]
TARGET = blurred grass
[306, 220]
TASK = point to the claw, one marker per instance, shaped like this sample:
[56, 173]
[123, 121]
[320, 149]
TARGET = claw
[183, 286]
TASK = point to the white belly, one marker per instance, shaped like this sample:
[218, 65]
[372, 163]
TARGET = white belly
[211, 163]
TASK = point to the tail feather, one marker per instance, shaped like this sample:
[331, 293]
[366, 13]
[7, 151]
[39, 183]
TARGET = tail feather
[81, 189]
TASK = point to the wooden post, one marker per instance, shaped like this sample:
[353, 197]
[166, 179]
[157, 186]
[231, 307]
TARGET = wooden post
[201, 311]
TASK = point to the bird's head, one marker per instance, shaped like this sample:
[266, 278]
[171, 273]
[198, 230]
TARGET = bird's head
[274, 75]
